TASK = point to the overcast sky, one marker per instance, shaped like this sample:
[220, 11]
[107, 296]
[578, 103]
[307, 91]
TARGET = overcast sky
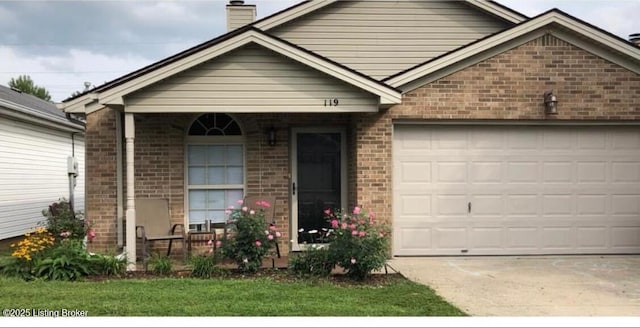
[62, 44]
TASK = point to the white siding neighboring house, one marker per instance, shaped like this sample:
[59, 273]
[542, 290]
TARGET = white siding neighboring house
[36, 140]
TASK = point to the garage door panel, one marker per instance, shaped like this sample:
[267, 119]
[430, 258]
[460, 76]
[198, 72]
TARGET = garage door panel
[625, 236]
[626, 172]
[532, 190]
[592, 205]
[592, 172]
[412, 205]
[560, 238]
[520, 205]
[486, 172]
[592, 237]
[415, 238]
[450, 238]
[557, 172]
[451, 172]
[625, 204]
[522, 172]
[450, 205]
[522, 238]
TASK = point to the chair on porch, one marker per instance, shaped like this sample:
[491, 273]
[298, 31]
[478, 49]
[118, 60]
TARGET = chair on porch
[153, 223]
[269, 212]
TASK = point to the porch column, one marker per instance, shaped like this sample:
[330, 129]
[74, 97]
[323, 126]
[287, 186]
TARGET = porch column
[129, 134]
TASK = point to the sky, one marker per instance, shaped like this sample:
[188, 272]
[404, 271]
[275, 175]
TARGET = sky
[63, 44]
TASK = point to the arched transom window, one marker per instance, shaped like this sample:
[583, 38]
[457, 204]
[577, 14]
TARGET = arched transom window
[215, 168]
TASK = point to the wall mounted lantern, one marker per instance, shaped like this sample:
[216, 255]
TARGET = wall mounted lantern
[271, 136]
[550, 103]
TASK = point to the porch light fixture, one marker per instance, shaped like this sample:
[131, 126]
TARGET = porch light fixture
[271, 136]
[550, 103]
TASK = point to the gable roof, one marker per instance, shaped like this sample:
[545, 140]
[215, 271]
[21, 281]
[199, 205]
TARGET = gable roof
[554, 21]
[19, 105]
[73, 104]
[306, 7]
[113, 92]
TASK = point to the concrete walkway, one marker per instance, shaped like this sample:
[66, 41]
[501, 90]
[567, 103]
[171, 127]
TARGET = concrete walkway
[532, 286]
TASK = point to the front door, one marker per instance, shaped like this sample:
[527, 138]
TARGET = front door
[319, 178]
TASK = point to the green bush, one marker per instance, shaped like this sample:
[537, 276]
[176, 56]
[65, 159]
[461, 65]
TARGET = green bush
[358, 243]
[66, 261]
[204, 266]
[109, 265]
[249, 237]
[161, 265]
[64, 223]
[314, 262]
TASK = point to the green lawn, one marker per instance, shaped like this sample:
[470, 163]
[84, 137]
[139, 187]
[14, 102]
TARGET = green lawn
[225, 297]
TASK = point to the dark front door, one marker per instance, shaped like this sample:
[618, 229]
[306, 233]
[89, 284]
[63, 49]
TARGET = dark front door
[318, 181]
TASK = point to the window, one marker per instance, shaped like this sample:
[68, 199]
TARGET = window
[215, 168]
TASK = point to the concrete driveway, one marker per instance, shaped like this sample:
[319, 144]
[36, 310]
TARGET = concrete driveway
[532, 286]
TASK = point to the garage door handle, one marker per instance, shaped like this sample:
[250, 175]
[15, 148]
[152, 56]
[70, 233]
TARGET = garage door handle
[469, 206]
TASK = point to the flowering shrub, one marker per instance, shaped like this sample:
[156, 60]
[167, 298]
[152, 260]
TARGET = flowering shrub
[63, 223]
[249, 237]
[358, 243]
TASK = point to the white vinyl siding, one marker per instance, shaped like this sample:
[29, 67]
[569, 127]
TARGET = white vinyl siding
[33, 174]
[251, 79]
[381, 38]
[516, 190]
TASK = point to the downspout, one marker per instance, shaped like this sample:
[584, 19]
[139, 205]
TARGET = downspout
[119, 182]
[72, 177]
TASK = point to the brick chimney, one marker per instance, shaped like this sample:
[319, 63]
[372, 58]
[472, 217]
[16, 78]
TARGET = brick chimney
[635, 39]
[239, 14]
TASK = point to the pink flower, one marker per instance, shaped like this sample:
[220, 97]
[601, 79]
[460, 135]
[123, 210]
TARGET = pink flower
[227, 211]
[353, 260]
[278, 234]
[381, 234]
[362, 233]
[270, 237]
[252, 212]
[210, 242]
[272, 227]
[353, 226]
[244, 209]
[354, 232]
[91, 234]
[356, 210]
[372, 215]
[65, 234]
[334, 224]
[240, 201]
[258, 243]
[218, 243]
[327, 211]
[370, 222]
[361, 222]
[343, 225]
[263, 203]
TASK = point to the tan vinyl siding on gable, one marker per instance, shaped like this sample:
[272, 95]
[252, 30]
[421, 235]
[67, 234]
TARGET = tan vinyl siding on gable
[381, 38]
[251, 79]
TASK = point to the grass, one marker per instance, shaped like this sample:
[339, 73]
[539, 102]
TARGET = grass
[226, 297]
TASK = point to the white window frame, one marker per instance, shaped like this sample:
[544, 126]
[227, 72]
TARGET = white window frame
[212, 141]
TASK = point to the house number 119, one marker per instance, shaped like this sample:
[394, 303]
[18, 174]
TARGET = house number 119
[331, 102]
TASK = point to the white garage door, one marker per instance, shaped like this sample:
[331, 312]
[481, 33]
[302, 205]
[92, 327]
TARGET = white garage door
[483, 190]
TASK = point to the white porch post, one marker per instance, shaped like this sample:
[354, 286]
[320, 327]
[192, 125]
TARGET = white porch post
[129, 134]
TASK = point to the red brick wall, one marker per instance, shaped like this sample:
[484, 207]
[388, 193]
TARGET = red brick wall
[100, 161]
[509, 86]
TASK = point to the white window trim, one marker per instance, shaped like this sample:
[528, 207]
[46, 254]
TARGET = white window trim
[212, 140]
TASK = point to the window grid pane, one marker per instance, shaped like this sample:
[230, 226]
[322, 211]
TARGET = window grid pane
[213, 165]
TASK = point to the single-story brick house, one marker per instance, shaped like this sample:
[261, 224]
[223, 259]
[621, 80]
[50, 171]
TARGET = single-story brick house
[468, 127]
